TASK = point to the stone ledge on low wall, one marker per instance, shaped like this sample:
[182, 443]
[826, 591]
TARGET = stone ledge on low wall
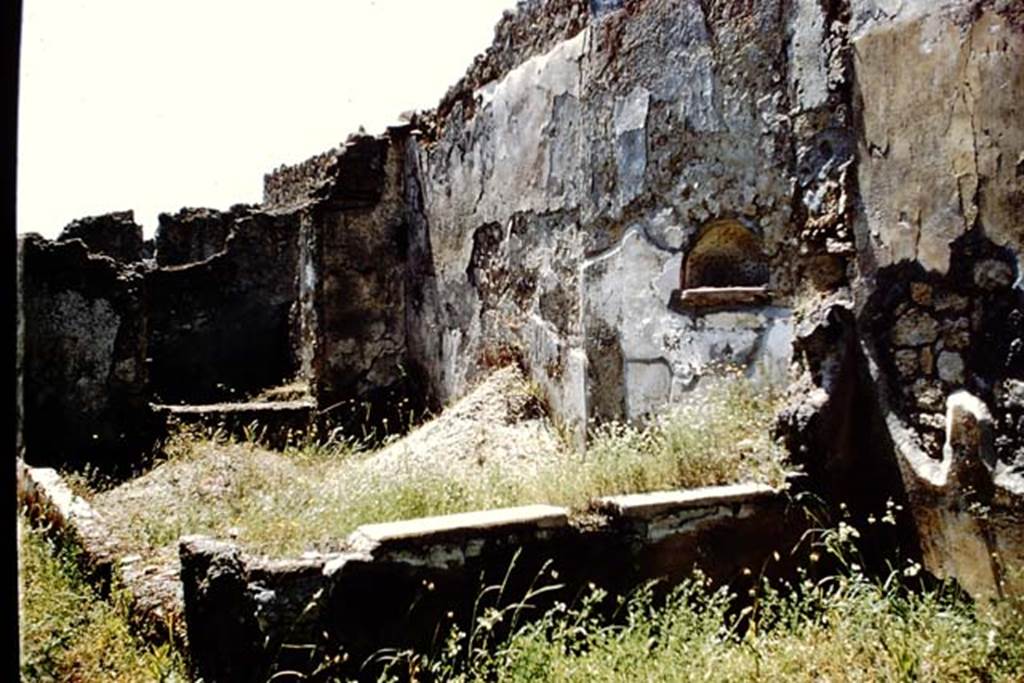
[452, 540]
[403, 584]
[657, 516]
[48, 501]
[156, 603]
[650, 506]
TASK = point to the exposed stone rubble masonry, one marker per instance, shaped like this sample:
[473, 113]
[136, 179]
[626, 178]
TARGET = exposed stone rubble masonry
[116, 235]
[83, 349]
[930, 328]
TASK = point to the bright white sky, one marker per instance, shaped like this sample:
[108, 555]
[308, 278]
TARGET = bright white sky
[153, 105]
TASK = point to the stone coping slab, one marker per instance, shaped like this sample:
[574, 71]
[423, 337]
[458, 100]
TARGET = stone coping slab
[447, 527]
[156, 600]
[47, 498]
[645, 506]
[251, 407]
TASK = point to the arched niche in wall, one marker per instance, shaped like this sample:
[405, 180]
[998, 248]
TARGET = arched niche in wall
[725, 267]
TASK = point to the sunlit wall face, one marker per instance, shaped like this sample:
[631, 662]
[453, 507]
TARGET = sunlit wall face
[153, 106]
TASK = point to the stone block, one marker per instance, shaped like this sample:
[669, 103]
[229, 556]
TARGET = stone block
[649, 506]
[951, 367]
[915, 328]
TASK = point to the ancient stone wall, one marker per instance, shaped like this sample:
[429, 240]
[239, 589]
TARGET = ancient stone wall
[582, 178]
[353, 290]
[290, 186]
[941, 243]
[554, 213]
[221, 328]
[83, 327]
[622, 195]
[934, 317]
[532, 29]
[403, 584]
[193, 235]
[116, 235]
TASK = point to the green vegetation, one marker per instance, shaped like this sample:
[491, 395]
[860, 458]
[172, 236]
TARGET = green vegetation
[719, 436]
[69, 633]
[839, 628]
[310, 498]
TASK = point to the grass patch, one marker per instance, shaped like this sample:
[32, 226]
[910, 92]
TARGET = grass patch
[69, 633]
[847, 627]
[720, 435]
[493, 449]
[843, 630]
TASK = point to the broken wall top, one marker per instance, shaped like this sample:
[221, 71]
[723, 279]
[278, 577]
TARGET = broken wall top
[349, 176]
[116, 235]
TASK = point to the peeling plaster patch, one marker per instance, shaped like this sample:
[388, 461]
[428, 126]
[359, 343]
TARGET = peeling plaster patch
[929, 167]
[687, 520]
[630, 121]
[866, 14]
[668, 280]
[648, 386]
[574, 400]
[526, 143]
[631, 110]
[450, 343]
[697, 101]
[772, 367]
[808, 73]
[627, 289]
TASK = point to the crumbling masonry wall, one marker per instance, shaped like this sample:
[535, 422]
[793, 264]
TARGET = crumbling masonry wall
[116, 235]
[921, 382]
[351, 303]
[221, 328]
[83, 356]
[554, 205]
[193, 235]
[867, 156]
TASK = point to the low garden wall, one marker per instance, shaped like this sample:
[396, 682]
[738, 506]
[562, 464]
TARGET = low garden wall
[403, 585]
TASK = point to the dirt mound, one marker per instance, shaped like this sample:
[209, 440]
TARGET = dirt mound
[500, 422]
